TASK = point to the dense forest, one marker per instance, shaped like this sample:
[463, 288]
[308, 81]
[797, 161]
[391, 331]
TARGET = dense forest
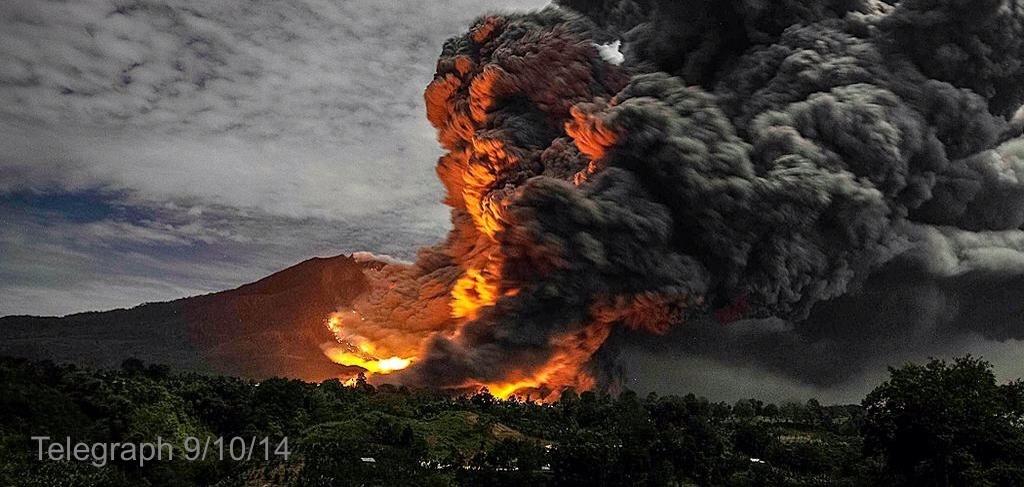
[934, 424]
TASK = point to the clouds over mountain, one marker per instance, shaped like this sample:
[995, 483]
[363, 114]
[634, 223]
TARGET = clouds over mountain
[288, 117]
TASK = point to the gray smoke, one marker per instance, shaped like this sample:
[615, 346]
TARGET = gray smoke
[787, 185]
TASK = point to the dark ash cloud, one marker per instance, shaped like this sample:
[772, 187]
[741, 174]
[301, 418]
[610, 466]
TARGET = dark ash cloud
[784, 188]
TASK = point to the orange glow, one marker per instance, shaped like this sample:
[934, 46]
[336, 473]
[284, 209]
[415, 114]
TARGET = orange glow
[391, 327]
[372, 365]
[477, 184]
[471, 292]
[357, 351]
[563, 370]
[592, 136]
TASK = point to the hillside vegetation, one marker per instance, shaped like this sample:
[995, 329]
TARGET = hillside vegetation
[936, 424]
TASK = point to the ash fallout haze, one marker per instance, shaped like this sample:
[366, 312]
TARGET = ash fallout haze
[732, 198]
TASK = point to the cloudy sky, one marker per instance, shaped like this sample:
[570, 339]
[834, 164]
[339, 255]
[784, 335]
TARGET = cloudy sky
[151, 150]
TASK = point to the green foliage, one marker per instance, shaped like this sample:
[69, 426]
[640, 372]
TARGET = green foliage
[927, 425]
[947, 424]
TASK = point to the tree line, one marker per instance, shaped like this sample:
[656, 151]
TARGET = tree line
[936, 424]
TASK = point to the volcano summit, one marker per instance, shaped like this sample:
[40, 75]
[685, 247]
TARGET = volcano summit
[810, 188]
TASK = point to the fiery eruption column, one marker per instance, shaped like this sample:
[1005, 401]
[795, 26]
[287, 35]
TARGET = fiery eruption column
[742, 161]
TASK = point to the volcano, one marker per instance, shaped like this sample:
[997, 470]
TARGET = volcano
[271, 327]
[627, 169]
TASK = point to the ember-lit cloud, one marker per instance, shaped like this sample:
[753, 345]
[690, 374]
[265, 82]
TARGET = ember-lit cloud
[804, 191]
[744, 181]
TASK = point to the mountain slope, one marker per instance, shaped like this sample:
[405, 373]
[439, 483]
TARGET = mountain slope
[272, 327]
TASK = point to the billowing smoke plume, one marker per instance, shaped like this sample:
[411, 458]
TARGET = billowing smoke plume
[737, 178]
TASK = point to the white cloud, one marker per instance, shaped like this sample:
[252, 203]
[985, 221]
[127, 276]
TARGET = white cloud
[138, 252]
[949, 251]
[610, 52]
[252, 135]
[309, 108]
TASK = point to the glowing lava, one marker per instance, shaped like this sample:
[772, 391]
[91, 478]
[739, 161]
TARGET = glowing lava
[356, 351]
[564, 370]
[471, 292]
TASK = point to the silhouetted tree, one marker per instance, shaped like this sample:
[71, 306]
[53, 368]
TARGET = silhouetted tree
[947, 424]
